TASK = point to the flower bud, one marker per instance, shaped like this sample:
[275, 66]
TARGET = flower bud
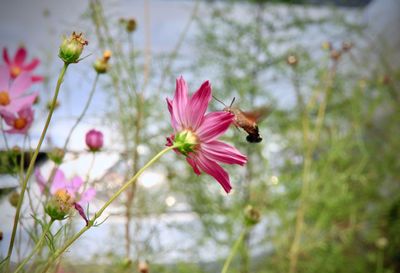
[292, 60]
[326, 45]
[381, 243]
[186, 141]
[14, 198]
[57, 155]
[143, 267]
[55, 106]
[335, 55]
[251, 215]
[101, 65]
[131, 25]
[60, 205]
[72, 47]
[346, 46]
[94, 140]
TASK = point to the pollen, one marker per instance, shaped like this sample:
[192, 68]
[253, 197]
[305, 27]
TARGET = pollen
[4, 98]
[20, 123]
[63, 199]
[15, 71]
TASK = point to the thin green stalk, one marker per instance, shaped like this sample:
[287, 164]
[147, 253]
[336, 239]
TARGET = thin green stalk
[32, 163]
[309, 149]
[233, 251]
[100, 211]
[37, 247]
[81, 116]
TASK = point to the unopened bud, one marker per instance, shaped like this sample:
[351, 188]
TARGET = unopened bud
[381, 243]
[72, 47]
[326, 45]
[335, 55]
[55, 106]
[131, 25]
[101, 65]
[292, 60]
[346, 46]
[57, 155]
[14, 198]
[143, 267]
[252, 216]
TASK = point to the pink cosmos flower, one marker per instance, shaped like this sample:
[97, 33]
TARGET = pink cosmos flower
[74, 188]
[19, 122]
[195, 133]
[13, 93]
[94, 140]
[17, 65]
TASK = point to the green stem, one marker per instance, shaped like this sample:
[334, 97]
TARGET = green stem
[81, 116]
[233, 251]
[37, 247]
[100, 211]
[32, 163]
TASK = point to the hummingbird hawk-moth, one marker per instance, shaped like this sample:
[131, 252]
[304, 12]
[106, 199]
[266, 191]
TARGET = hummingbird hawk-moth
[248, 120]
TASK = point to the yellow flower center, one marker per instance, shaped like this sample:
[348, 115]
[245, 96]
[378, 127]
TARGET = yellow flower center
[20, 123]
[4, 98]
[191, 137]
[63, 199]
[186, 141]
[15, 71]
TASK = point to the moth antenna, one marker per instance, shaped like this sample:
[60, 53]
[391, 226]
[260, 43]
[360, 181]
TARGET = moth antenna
[219, 100]
[232, 102]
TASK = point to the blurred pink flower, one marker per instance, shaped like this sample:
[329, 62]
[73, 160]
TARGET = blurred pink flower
[196, 133]
[74, 188]
[13, 93]
[19, 122]
[94, 140]
[17, 65]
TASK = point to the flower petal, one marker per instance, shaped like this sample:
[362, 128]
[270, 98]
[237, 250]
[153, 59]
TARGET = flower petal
[81, 212]
[74, 185]
[174, 122]
[8, 117]
[59, 182]
[214, 125]
[219, 151]
[179, 103]
[192, 163]
[4, 78]
[32, 65]
[20, 84]
[87, 196]
[22, 102]
[6, 58]
[212, 168]
[20, 56]
[37, 78]
[198, 104]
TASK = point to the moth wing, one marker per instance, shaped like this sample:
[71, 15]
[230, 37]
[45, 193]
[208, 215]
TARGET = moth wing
[259, 114]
